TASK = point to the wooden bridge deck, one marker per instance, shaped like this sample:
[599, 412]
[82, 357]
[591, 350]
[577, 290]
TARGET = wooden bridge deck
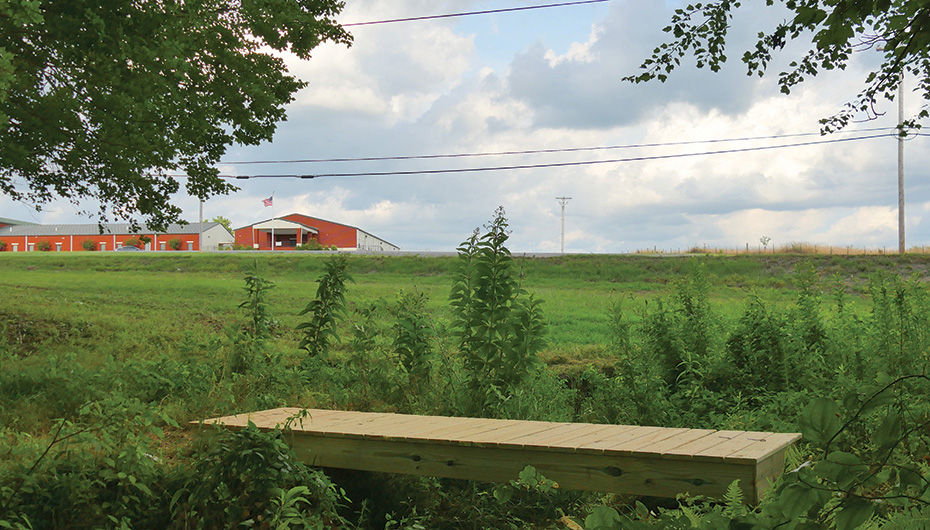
[656, 461]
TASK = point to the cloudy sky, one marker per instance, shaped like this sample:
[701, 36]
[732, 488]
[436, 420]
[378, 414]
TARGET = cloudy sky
[550, 79]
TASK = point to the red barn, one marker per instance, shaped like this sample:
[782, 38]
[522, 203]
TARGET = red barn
[298, 229]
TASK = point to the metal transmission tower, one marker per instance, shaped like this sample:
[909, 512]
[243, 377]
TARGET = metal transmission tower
[563, 201]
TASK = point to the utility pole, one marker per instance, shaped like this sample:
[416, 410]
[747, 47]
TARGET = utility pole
[563, 201]
[200, 233]
[901, 248]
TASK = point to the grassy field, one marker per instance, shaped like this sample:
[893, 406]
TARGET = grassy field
[701, 341]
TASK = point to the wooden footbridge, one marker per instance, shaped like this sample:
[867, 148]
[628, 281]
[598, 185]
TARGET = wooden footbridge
[655, 461]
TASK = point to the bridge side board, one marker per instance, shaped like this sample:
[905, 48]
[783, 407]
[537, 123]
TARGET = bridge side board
[636, 475]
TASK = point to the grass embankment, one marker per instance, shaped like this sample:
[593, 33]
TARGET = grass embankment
[134, 302]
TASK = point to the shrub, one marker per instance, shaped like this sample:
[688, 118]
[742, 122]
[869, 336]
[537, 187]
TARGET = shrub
[88, 244]
[313, 244]
[44, 246]
[2, 246]
[174, 243]
[132, 242]
[252, 479]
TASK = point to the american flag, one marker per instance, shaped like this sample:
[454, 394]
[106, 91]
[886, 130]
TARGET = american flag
[268, 201]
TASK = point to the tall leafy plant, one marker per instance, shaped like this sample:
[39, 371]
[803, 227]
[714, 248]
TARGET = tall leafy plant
[412, 332]
[249, 341]
[498, 327]
[325, 310]
[256, 304]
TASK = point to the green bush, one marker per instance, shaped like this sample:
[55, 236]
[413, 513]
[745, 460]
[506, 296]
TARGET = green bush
[132, 242]
[174, 243]
[312, 244]
[89, 245]
[44, 246]
[2, 246]
[250, 479]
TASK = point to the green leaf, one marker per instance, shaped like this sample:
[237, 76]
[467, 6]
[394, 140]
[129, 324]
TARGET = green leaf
[503, 493]
[797, 500]
[820, 421]
[854, 513]
[603, 518]
[528, 475]
[841, 468]
[888, 434]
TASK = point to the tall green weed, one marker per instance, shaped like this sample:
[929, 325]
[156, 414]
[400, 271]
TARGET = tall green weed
[498, 326]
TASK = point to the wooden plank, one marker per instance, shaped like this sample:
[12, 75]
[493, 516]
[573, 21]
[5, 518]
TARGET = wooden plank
[633, 445]
[620, 436]
[376, 425]
[766, 446]
[422, 424]
[475, 430]
[677, 441]
[731, 447]
[696, 448]
[558, 433]
[448, 430]
[505, 432]
[606, 432]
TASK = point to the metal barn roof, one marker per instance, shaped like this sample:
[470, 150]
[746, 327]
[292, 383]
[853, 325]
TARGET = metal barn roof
[94, 229]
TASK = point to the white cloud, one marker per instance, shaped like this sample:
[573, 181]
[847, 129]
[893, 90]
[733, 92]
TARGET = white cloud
[578, 52]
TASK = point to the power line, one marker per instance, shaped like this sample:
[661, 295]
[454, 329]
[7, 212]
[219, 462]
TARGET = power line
[549, 165]
[468, 13]
[541, 151]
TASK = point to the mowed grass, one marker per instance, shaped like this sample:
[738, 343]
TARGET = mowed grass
[127, 305]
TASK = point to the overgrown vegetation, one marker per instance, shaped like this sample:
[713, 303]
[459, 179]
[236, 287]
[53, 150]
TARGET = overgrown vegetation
[95, 382]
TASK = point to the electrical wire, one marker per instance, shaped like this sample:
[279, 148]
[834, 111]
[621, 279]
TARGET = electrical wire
[550, 165]
[542, 151]
[468, 13]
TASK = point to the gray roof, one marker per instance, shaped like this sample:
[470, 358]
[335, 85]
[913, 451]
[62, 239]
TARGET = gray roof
[94, 230]
[5, 221]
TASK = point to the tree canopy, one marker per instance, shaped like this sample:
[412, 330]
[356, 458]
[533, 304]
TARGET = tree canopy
[898, 29]
[110, 99]
[227, 224]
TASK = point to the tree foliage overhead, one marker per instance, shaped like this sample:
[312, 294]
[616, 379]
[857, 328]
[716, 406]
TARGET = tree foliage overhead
[898, 29]
[106, 99]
